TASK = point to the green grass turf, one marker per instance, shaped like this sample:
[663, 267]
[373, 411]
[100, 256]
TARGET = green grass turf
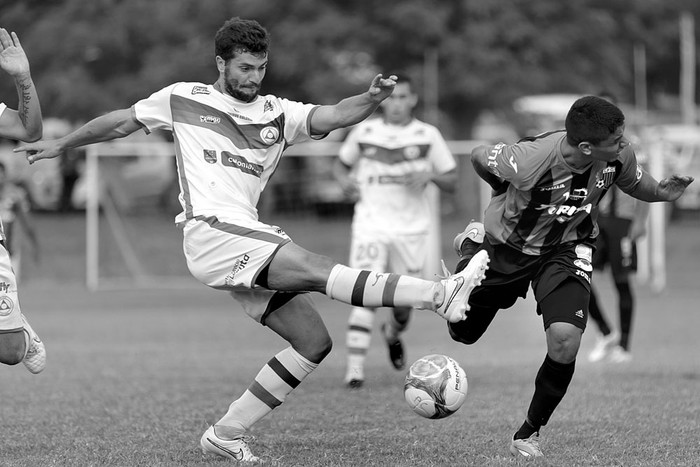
[134, 378]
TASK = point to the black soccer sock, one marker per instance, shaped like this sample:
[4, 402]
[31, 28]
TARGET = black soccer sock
[525, 431]
[551, 384]
[626, 306]
[596, 315]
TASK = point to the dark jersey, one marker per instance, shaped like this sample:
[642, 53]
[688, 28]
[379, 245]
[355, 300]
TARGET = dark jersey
[547, 202]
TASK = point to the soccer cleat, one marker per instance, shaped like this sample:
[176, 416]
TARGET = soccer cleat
[529, 447]
[395, 350]
[35, 358]
[619, 355]
[603, 346]
[458, 287]
[466, 243]
[355, 383]
[236, 449]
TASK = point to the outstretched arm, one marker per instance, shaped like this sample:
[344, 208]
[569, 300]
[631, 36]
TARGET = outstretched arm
[116, 124]
[353, 109]
[668, 189]
[25, 123]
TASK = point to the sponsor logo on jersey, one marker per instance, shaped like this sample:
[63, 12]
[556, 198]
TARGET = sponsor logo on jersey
[513, 164]
[210, 156]
[578, 194]
[639, 172]
[238, 266]
[584, 252]
[240, 162]
[564, 212]
[411, 152]
[552, 188]
[495, 152]
[209, 119]
[200, 90]
[6, 306]
[269, 134]
[4, 287]
[584, 275]
[583, 264]
[268, 107]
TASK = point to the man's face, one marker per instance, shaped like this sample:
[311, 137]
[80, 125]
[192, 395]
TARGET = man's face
[398, 107]
[243, 75]
[608, 150]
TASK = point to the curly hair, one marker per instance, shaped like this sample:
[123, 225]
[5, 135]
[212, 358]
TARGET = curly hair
[592, 119]
[239, 35]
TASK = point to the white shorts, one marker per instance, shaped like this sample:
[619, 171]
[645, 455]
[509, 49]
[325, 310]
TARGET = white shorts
[383, 252]
[10, 313]
[229, 256]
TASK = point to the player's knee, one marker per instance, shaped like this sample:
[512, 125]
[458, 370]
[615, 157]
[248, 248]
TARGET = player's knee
[563, 342]
[316, 348]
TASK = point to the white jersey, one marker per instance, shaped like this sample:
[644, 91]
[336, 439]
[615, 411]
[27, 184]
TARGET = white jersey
[226, 149]
[381, 156]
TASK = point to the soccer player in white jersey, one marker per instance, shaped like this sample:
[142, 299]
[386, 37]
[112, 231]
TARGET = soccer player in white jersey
[386, 164]
[228, 141]
[18, 341]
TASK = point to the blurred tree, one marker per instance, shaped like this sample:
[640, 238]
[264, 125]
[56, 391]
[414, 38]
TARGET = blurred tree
[91, 56]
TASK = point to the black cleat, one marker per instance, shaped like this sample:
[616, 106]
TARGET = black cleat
[395, 351]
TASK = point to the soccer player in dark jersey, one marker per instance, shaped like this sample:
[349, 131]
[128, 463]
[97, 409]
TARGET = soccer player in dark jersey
[540, 226]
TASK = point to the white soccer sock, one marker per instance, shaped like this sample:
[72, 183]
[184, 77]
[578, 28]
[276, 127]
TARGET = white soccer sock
[275, 380]
[372, 289]
[358, 339]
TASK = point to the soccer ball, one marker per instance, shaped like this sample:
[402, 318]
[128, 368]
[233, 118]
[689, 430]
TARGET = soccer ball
[435, 386]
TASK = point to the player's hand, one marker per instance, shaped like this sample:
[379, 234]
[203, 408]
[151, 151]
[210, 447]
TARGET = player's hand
[671, 188]
[40, 150]
[12, 57]
[418, 180]
[381, 88]
[350, 188]
[637, 230]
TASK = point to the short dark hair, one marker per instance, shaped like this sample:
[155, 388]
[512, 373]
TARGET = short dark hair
[239, 35]
[592, 119]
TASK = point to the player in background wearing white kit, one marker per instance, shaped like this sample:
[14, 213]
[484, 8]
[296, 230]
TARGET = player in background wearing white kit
[18, 341]
[228, 141]
[386, 164]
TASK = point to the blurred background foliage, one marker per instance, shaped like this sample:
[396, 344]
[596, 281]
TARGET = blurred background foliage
[92, 56]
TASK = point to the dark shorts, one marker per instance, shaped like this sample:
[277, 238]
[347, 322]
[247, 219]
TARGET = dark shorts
[561, 281]
[610, 248]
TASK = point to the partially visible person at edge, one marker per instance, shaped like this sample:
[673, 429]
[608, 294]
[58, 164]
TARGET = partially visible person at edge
[229, 141]
[386, 164]
[18, 341]
[15, 212]
[539, 229]
[621, 222]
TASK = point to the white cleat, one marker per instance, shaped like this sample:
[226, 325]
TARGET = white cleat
[619, 355]
[603, 346]
[527, 448]
[458, 287]
[235, 449]
[35, 358]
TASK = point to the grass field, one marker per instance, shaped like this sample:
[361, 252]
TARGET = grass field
[135, 376]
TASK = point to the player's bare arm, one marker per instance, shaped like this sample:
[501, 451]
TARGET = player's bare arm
[668, 189]
[24, 124]
[353, 109]
[113, 125]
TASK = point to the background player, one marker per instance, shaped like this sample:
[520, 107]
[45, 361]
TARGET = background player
[228, 141]
[18, 341]
[538, 233]
[621, 221]
[386, 164]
